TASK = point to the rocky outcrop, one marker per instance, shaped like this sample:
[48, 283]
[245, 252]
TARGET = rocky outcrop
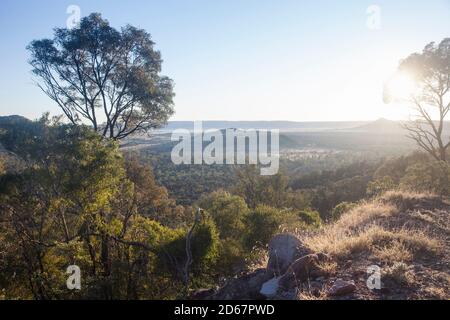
[304, 268]
[307, 267]
[284, 249]
[290, 262]
[342, 287]
[310, 275]
[245, 287]
[270, 288]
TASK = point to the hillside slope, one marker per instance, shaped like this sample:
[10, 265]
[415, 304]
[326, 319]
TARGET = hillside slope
[406, 236]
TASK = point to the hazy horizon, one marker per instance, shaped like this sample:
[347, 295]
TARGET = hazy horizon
[234, 60]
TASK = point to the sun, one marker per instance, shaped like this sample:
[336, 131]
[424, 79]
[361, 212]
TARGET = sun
[401, 86]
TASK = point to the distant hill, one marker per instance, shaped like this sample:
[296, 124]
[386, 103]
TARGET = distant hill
[381, 126]
[287, 126]
[13, 119]
[385, 126]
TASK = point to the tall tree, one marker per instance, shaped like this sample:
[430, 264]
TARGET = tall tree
[430, 71]
[105, 77]
[76, 202]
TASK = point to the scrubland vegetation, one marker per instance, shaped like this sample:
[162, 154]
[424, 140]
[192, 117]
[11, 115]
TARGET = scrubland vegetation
[77, 190]
[70, 197]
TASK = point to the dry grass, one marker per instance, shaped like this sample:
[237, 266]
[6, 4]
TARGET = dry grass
[307, 291]
[364, 230]
[309, 295]
[405, 200]
[327, 267]
[436, 293]
[394, 252]
[398, 245]
[400, 273]
[405, 233]
[365, 214]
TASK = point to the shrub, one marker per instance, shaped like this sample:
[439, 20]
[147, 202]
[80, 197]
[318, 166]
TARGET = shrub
[399, 273]
[433, 176]
[380, 186]
[341, 208]
[310, 218]
[261, 225]
[227, 211]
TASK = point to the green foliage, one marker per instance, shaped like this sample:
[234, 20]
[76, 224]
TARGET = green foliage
[310, 218]
[417, 171]
[185, 182]
[261, 223]
[77, 203]
[432, 176]
[431, 72]
[2, 166]
[272, 191]
[257, 189]
[204, 244]
[379, 186]
[153, 200]
[349, 189]
[80, 63]
[341, 208]
[16, 131]
[396, 168]
[228, 212]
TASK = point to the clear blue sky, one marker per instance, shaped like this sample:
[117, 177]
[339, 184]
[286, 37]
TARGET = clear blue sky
[246, 59]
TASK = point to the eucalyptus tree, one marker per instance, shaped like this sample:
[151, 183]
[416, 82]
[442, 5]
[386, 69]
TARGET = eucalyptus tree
[108, 78]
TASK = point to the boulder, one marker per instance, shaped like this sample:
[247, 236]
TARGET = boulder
[283, 250]
[342, 287]
[244, 287]
[270, 288]
[202, 294]
[306, 267]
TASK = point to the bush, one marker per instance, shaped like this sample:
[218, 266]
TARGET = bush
[380, 186]
[433, 176]
[340, 209]
[227, 211]
[204, 247]
[261, 225]
[310, 218]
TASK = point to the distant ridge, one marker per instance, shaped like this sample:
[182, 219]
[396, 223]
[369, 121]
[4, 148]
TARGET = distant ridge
[13, 119]
[381, 126]
[291, 126]
[384, 126]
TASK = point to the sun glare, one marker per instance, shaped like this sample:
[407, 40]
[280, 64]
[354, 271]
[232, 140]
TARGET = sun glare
[401, 86]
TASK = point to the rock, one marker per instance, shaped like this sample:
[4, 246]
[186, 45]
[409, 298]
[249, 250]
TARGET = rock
[202, 294]
[307, 267]
[270, 288]
[315, 287]
[244, 287]
[385, 290]
[291, 294]
[283, 250]
[341, 287]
